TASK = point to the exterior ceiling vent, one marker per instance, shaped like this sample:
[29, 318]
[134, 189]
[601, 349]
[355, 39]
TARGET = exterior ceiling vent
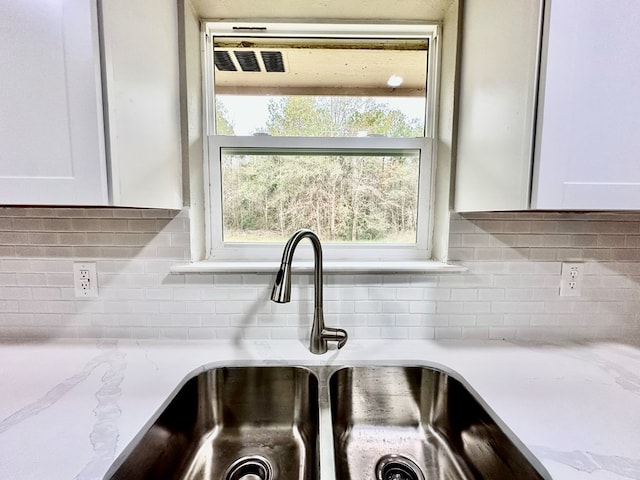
[273, 61]
[249, 61]
[223, 61]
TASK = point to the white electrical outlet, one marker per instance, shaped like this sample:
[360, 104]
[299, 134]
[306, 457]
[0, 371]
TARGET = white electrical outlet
[85, 279]
[571, 279]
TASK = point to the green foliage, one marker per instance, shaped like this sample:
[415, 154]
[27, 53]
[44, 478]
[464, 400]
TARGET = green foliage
[337, 117]
[342, 198]
[223, 125]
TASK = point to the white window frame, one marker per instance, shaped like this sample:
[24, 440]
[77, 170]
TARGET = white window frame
[219, 251]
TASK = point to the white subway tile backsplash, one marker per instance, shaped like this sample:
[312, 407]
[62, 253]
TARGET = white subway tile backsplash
[346, 320]
[517, 226]
[333, 307]
[515, 319]
[490, 320]
[502, 333]
[475, 333]
[476, 307]
[449, 307]
[436, 320]
[543, 254]
[369, 306]
[397, 306]
[422, 307]
[382, 293]
[210, 307]
[15, 293]
[422, 333]
[509, 292]
[365, 332]
[394, 333]
[464, 294]
[126, 213]
[520, 294]
[452, 280]
[44, 293]
[409, 320]
[430, 281]
[460, 225]
[410, 293]
[437, 294]
[517, 307]
[491, 294]
[545, 293]
[448, 333]
[477, 281]
[496, 253]
[462, 320]
[27, 224]
[625, 255]
[381, 320]
[173, 307]
[173, 333]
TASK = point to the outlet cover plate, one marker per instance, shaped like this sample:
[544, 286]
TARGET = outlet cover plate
[571, 279]
[85, 279]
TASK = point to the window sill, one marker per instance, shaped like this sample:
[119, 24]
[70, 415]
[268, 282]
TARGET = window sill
[426, 266]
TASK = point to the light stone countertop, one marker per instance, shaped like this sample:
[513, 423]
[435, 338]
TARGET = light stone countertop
[68, 408]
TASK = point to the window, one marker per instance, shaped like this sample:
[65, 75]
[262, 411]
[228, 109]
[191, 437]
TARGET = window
[327, 127]
[349, 195]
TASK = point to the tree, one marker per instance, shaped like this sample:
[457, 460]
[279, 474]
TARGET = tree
[344, 197]
[223, 125]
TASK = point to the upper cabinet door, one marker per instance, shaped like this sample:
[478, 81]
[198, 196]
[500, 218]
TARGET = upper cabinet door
[588, 135]
[51, 124]
[142, 76]
[498, 80]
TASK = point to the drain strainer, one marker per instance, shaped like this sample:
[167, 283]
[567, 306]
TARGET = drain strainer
[397, 467]
[250, 468]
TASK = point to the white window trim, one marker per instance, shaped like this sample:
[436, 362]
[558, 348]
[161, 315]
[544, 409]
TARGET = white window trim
[349, 258]
[220, 251]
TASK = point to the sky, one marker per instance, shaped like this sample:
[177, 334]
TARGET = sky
[248, 113]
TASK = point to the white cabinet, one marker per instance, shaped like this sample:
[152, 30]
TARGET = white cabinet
[585, 154]
[498, 78]
[65, 141]
[51, 127]
[141, 71]
[588, 135]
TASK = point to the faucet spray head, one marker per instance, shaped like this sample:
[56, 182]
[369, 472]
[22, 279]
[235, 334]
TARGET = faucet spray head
[281, 292]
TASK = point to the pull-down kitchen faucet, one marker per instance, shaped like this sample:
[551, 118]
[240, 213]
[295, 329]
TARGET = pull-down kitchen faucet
[281, 293]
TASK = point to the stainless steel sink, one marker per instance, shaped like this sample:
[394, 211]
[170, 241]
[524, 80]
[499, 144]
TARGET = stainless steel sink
[236, 423]
[358, 422]
[401, 423]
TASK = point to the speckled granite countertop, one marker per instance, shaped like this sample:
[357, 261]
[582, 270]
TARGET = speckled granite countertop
[68, 408]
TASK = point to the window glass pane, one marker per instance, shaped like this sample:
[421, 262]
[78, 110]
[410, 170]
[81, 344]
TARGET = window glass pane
[320, 86]
[361, 197]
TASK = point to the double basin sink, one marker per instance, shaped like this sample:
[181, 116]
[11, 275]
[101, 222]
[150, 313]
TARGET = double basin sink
[325, 423]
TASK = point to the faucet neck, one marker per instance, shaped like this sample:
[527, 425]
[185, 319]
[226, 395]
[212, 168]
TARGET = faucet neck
[281, 293]
[287, 258]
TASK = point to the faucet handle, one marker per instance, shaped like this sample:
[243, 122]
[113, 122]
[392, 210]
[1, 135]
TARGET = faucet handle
[339, 335]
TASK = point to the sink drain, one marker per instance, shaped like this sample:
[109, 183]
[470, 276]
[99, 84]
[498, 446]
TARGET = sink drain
[397, 467]
[250, 468]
